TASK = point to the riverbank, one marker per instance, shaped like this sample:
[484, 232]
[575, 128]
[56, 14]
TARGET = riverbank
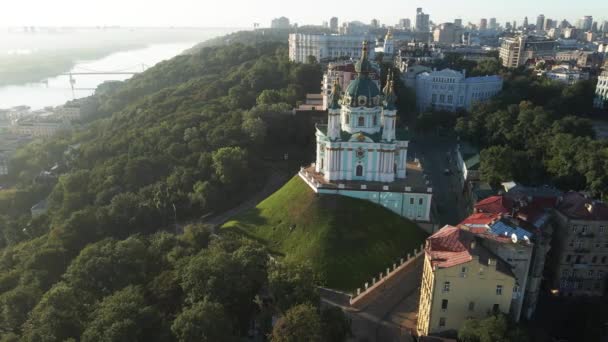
[31, 57]
[32, 68]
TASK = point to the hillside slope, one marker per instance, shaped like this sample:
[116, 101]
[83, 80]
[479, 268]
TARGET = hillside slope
[347, 241]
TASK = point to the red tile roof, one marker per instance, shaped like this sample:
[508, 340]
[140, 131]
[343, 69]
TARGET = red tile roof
[575, 205]
[452, 246]
[449, 247]
[495, 205]
[480, 219]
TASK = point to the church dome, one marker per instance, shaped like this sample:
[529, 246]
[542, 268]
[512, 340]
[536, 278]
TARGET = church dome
[363, 91]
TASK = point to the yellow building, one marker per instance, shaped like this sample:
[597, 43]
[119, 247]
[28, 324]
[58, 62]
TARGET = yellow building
[461, 279]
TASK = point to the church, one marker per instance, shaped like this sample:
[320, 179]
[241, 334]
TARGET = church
[362, 153]
[360, 141]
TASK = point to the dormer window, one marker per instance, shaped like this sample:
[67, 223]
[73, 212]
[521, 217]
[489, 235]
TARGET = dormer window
[362, 100]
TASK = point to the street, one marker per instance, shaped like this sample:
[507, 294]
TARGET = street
[448, 199]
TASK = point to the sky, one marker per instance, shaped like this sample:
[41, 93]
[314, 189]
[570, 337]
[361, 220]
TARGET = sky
[243, 13]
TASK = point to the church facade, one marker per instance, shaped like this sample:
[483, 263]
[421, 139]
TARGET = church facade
[360, 141]
[362, 153]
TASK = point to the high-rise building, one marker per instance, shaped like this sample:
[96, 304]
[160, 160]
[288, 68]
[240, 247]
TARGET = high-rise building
[375, 23]
[516, 51]
[594, 27]
[483, 24]
[405, 24]
[493, 25]
[605, 26]
[333, 24]
[585, 23]
[525, 24]
[447, 33]
[564, 24]
[540, 22]
[422, 21]
[549, 24]
[458, 22]
[280, 23]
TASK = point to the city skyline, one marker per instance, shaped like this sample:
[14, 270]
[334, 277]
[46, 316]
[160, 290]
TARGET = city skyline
[241, 13]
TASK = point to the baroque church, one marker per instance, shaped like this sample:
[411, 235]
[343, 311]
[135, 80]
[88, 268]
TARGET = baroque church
[360, 141]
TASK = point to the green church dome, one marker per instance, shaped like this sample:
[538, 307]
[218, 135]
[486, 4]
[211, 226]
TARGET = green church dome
[363, 91]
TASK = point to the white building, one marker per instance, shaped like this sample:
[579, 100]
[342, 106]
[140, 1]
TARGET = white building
[38, 129]
[601, 90]
[516, 51]
[324, 46]
[451, 90]
[567, 75]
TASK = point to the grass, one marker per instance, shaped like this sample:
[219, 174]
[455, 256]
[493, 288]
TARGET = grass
[346, 241]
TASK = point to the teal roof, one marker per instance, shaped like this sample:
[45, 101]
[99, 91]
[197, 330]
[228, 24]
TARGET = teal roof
[362, 86]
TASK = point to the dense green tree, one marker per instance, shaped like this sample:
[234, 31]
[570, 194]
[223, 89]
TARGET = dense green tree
[124, 316]
[230, 164]
[495, 328]
[292, 284]
[299, 324]
[204, 321]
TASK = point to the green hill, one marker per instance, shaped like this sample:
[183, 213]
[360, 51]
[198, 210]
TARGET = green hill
[347, 241]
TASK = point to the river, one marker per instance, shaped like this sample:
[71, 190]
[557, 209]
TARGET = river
[58, 90]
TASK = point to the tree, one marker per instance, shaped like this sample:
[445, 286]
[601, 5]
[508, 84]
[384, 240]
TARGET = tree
[204, 321]
[497, 164]
[292, 284]
[124, 316]
[495, 328]
[300, 324]
[230, 164]
[60, 315]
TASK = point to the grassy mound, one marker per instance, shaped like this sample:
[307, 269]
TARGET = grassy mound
[347, 241]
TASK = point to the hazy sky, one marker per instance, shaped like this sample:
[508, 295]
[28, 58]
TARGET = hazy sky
[243, 13]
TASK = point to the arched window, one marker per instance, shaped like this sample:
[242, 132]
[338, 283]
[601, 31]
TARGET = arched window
[359, 171]
[321, 163]
[361, 122]
[375, 120]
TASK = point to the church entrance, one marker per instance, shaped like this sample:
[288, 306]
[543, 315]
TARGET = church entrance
[359, 171]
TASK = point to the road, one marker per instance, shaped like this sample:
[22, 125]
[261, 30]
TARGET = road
[448, 199]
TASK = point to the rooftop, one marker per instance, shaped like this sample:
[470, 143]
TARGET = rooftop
[577, 206]
[452, 246]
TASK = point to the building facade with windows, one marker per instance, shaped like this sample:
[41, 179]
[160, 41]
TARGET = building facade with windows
[580, 265]
[601, 90]
[451, 90]
[326, 46]
[461, 279]
[516, 51]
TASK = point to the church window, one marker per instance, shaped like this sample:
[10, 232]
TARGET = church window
[359, 171]
[321, 163]
[361, 122]
[420, 201]
[375, 120]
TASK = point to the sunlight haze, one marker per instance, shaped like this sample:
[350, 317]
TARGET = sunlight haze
[243, 13]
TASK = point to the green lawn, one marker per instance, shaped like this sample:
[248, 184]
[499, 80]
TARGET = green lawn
[347, 241]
